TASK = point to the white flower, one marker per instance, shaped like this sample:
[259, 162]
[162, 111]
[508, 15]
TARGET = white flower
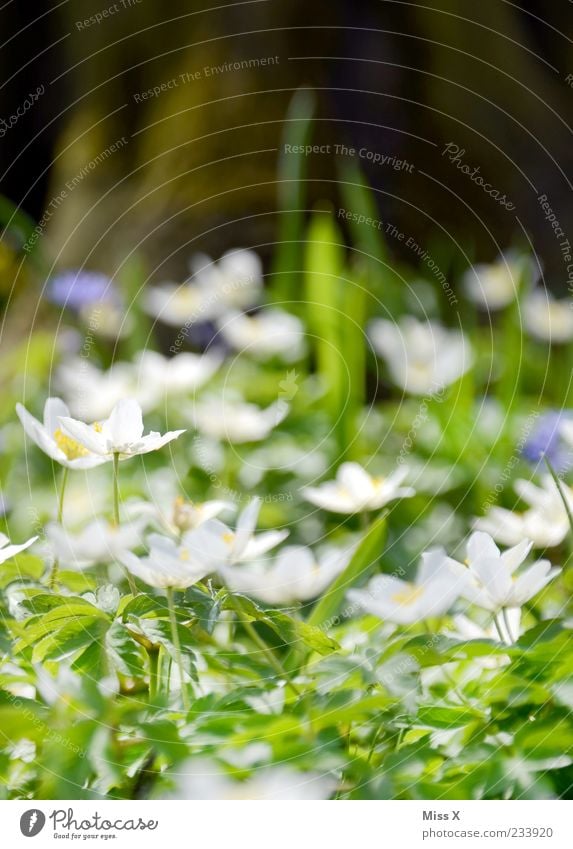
[121, 433]
[182, 516]
[566, 431]
[405, 602]
[214, 542]
[24, 750]
[8, 550]
[168, 565]
[354, 490]
[206, 780]
[158, 377]
[235, 281]
[49, 436]
[422, 356]
[180, 304]
[495, 285]
[236, 421]
[545, 523]
[107, 598]
[98, 542]
[151, 379]
[546, 318]
[91, 393]
[268, 333]
[488, 579]
[295, 575]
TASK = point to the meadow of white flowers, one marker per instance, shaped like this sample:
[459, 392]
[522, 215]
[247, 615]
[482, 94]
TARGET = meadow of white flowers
[306, 548]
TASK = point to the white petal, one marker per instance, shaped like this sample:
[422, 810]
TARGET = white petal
[494, 578]
[246, 524]
[329, 496]
[37, 433]
[481, 545]
[532, 581]
[85, 434]
[153, 441]
[11, 550]
[207, 542]
[356, 480]
[125, 424]
[262, 543]
[53, 409]
[514, 557]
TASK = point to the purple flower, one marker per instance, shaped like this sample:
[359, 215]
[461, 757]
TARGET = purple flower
[79, 289]
[545, 440]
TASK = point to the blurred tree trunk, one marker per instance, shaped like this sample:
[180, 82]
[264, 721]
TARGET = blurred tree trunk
[198, 167]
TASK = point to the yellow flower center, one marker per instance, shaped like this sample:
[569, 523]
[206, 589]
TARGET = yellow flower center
[228, 537]
[183, 514]
[408, 596]
[184, 554]
[69, 446]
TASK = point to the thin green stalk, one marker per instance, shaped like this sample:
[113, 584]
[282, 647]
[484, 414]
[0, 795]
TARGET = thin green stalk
[505, 615]
[499, 629]
[116, 488]
[62, 494]
[153, 656]
[56, 564]
[558, 482]
[177, 645]
[130, 580]
[375, 739]
[270, 655]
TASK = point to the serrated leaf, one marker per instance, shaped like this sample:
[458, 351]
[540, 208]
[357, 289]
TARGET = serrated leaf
[292, 632]
[158, 632]
[127, 655]
[74, 634]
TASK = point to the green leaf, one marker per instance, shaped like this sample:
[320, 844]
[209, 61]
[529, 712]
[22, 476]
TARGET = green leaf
[70, 636]
[291, 200]
[91, 662]
[324, 285]
[447, 717]
[158, 632]
[291, 631]
[361, 563]
[359, 199]
[127, 655]
[348, 706]
[68, 624]
[21, 567]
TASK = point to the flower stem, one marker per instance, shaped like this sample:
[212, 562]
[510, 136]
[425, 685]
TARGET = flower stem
[558, 483]
[60, 517]
[177, 646]
[130, 581]
[270, 655]
[505, 615]
[62, 494]
[153, 655]
[499, 629]
[116, 488]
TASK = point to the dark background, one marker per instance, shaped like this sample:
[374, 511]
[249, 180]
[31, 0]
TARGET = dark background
[200, 167]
